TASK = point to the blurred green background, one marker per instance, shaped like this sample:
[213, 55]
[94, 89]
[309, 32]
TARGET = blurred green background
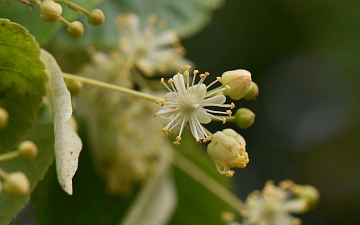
[305, 57]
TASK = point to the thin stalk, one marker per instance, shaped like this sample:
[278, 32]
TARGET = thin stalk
[111, 87]
[9, 155]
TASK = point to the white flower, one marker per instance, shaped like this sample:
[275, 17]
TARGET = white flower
[186, 102]
[152, 51]
[273, 206]
[227, 150]
[239, 82]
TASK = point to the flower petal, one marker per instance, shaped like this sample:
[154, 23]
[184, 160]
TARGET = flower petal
[179, 83]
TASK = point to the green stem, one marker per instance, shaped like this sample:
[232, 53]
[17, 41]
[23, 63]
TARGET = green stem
[74, 6]
[3, 174]
[207, 181]
[9, 155]
[111, 87]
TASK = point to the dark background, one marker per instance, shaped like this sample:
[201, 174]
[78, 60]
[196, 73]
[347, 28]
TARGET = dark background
[304, 55]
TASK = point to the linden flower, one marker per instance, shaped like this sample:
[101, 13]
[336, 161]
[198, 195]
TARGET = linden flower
[273, 206]
[151, 51]
[227, 150]
[186, 101]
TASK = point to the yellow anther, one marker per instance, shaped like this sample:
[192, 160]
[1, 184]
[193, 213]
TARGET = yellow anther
[178, 138]
[170, 81]
[198, 141]
[227, 87]
[223, 120]
[207, 139]
[176, 143]
[196, 72]
[232, 105]
[229, 112]
[187, 67]
[178, 71]
[218, 79]
[162, 80]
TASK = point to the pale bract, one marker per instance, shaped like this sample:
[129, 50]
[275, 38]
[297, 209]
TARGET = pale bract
[67, 142]
[186, 103]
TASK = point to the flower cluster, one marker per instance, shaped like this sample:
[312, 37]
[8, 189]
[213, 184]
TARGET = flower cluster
[186, 101]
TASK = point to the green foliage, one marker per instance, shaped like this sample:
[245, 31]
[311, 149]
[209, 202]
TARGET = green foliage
[187, 17]
[22, 81]
[42, 136]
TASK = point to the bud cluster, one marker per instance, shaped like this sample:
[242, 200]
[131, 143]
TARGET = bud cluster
[50, 11]
[16, 183]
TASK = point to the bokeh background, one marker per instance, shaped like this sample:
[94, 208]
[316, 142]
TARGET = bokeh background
[305, 57]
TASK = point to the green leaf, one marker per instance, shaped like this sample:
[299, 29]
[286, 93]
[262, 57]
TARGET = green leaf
[42, 136]
[29, 17]
[187, 17]
[22, 81]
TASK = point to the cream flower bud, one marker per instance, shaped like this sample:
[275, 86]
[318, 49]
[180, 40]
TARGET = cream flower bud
[17, 184]
[50, 11]
[253, 92]
[244, 118]
[309, 193]
[96, 17]
[227, 150]
[75, 29]
[239, 82]
[4, 118]
[28, 150]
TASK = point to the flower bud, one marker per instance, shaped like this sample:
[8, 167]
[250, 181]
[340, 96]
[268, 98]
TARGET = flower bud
[96, 17]
[244, 118]
[253, 92]
[74, 86]
[239, 82]
[308, 193]
[75, 29]
[4, 118]
[28, 150]
[16, 184]
[227, 150]
[50, 11]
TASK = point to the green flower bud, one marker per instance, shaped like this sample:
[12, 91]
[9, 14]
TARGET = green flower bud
[253, 92]
[28, 150]
[239, 82]
[50, 11]
[308, 193]
[74, 86]
[244, 118]
[227, 150]
[17, 184]
[75, 29]
[4, 118]
[96, 17]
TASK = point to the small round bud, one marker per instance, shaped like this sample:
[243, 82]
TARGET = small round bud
[96, 17]
[227, 150]
[17, 184]
[253, 92]
[4, 118]
[28, 150]
[244, 118]
[50, 11]
[309, 193]
[239, 82]
[75, 29]
[74, 86]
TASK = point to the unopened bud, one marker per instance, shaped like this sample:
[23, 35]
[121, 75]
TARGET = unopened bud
[74, 86]
[227, 150]
[239, 82]
[4, 118]
[96, 17]
[244, 118]
[17, 184]
[308, 193]
[50, 11]
[253, 92]
[28, 150]
[75, 29]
